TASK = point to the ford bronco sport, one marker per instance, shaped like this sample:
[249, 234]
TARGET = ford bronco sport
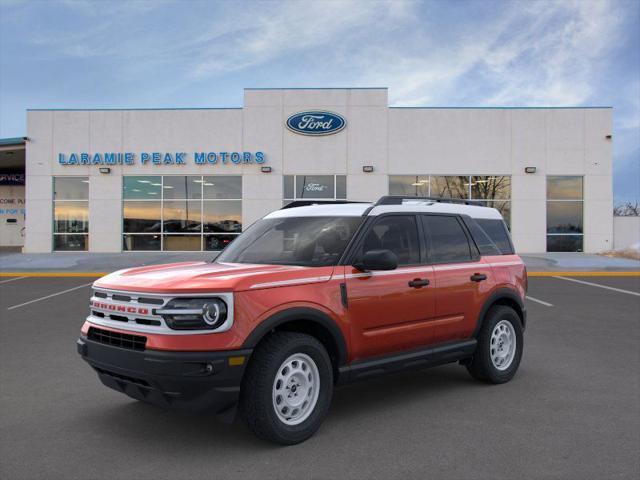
[310, 297]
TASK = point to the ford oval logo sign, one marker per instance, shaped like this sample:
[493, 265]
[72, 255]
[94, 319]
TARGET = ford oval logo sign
[316, 122]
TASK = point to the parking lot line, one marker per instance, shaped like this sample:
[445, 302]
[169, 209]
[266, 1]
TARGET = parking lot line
[541, 302]
[53, 274]
[12, 279]
[620, 290]
[49, 296]
[607, 273]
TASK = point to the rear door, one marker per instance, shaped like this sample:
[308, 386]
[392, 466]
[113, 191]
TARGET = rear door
[391, 310]
[462, 279]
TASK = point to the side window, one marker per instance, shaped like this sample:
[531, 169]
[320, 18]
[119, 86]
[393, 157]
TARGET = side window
[497, 231]
[398, 233]
[448, 242]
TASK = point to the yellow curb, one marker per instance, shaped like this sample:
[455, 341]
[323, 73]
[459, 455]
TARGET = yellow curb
[584, 274]
[53, 274]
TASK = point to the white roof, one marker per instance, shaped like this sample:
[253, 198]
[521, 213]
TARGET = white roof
[357, 209]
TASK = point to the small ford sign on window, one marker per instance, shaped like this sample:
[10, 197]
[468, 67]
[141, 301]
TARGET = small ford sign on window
[316, 122]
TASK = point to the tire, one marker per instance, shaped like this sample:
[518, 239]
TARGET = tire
[494, 361]
[286, 370]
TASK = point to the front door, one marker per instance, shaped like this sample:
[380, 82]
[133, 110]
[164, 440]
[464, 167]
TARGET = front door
[391, 310]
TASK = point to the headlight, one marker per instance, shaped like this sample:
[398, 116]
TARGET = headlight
[194, 313]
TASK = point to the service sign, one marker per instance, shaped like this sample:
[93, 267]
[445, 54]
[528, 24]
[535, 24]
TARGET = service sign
[316, 122]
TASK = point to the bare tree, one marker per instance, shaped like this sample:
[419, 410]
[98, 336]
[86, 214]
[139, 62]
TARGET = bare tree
[628, 209]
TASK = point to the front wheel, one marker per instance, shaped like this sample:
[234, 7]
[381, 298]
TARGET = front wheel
[287, 389]
[499, 349]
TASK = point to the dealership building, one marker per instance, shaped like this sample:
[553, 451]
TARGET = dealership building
[111, 180]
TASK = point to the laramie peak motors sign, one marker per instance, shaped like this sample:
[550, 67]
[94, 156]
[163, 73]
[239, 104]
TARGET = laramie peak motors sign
[316, 122]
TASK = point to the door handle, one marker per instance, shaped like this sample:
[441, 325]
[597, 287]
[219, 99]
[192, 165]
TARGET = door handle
[419, 282]
[478, 277]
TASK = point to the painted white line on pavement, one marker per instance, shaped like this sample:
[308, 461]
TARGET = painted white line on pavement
[49, 296]
[628, 292]
[541, 302]
[12, 279]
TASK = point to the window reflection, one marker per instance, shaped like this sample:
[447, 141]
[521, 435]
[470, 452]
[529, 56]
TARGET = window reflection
[141, 242]
[496, 187]
[182, 187]
[71, 217]
[71, 188]
[64, 243]
[223, 216]
[564, 188]
[141, 217]
[142, 187]
[564, 243]
[315, 187]
[450, 187]
[181, 216]
[171, 212]
[564, 217]
[222, 186]
[409, 185]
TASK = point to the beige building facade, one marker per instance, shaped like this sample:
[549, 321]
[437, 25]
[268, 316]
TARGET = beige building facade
[192, 179]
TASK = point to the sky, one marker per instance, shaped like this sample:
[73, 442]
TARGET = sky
[138, 53]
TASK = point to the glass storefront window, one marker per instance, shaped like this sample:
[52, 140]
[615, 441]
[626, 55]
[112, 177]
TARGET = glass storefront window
[70, 213]
[70, 188]
[565, 213]
[456, 187]
[141, 217]
[142, 188]
[223, 216]
[222, 187]
[173, 212]
[187, 187]
[71, 217]
[140, 242]
[409, 185]
[496, 187]
[184, 216]
[314, 187]
[492, 190]
[564, 188]
[564, 217]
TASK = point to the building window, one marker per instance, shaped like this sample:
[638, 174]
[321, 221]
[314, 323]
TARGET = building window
[490, 190]
[564, 214]
[314, 187]
[181, 213]
[70, 213]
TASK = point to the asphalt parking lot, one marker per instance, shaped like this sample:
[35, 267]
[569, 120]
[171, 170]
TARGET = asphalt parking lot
[572, 411]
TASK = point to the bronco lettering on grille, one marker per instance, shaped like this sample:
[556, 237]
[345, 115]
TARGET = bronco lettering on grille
[118, 308]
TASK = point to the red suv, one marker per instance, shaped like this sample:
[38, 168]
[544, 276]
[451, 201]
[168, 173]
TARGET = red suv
[310, 297]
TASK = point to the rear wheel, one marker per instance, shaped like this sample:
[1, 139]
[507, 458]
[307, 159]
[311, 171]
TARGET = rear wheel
[499, 349]
[287, 389]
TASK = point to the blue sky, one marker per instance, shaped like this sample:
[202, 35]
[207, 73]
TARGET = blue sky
[111, 54]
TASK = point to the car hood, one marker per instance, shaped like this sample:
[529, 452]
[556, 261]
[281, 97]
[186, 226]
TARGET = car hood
[202, 277]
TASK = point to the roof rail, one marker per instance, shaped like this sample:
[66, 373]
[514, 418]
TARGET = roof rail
[399, 200]
[306, 203]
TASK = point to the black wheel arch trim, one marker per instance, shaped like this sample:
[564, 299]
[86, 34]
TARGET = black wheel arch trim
[294, 314]
[501, 294]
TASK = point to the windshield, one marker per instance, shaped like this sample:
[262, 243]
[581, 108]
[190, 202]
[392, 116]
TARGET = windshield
[303, 241]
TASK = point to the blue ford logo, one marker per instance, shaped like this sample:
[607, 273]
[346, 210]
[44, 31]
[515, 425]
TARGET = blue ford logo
[316, 122]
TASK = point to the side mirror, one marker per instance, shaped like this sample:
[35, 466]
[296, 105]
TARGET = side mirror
[377, 260]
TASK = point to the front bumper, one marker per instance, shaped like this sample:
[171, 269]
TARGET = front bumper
[195, 381]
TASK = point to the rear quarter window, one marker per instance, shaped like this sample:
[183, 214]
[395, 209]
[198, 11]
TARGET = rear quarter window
[498, 233]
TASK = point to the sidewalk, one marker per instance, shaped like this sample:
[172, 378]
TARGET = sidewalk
[82, 262]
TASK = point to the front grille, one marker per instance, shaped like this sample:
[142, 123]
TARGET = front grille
[116, 339]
